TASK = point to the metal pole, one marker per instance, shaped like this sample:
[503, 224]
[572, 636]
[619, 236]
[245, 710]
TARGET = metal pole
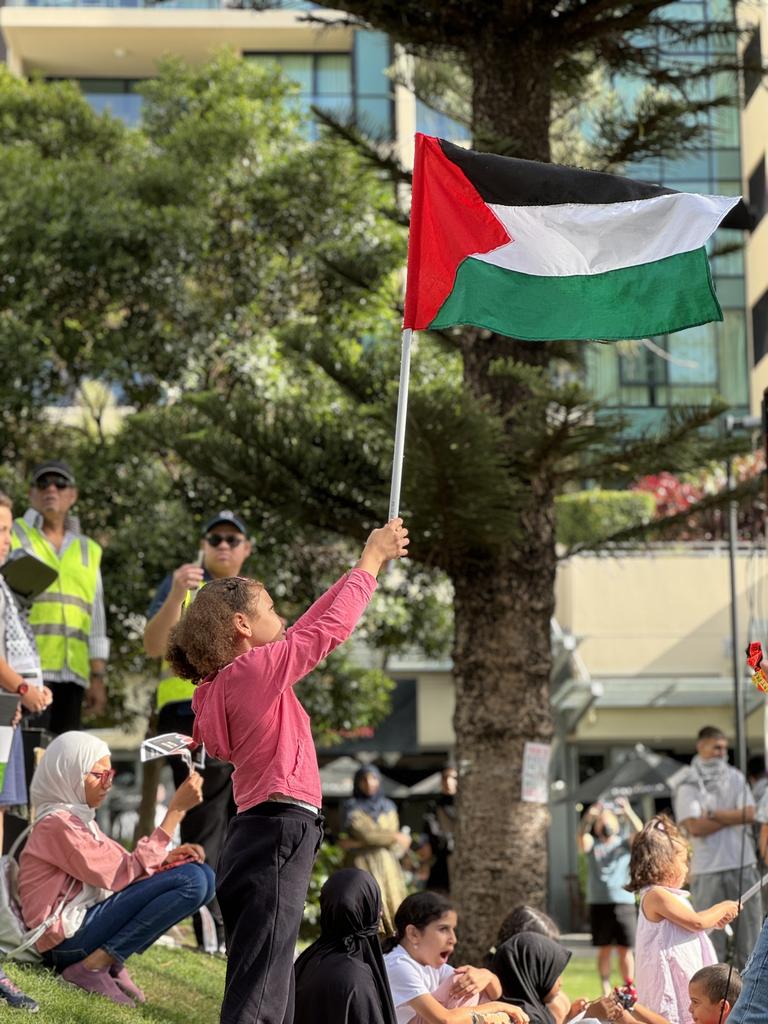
[402, 414]
[736, 653]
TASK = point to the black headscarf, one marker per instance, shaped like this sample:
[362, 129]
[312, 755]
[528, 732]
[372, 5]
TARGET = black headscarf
[528, 966]
[373, 806]
[341, 978]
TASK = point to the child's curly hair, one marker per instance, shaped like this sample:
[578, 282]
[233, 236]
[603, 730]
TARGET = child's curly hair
[204, 640]
[654, 853]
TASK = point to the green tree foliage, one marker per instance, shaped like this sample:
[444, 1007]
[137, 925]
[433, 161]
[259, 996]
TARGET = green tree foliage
[188, 266]
[241, 286]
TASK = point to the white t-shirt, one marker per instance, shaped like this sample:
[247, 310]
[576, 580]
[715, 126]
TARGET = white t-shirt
[409, 979]
[722, 850]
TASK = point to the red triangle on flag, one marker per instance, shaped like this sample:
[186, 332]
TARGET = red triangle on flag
[449, 221]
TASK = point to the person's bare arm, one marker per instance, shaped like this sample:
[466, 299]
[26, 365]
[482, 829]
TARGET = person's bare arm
[187, 577]
[584, 841]
[736, 816]
[700, 827]
[467, 980]
[433, 1012]
[659, 904]
[635, 824]
[763, 840]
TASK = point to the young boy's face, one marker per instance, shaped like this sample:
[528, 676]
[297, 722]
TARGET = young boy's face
[701, 1009]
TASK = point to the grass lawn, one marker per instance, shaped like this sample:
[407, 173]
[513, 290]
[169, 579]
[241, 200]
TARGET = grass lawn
[182, 987]
[580, 978]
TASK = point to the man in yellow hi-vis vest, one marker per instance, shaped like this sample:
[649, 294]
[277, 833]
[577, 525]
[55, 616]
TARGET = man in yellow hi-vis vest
[68, 618]
[223, 550]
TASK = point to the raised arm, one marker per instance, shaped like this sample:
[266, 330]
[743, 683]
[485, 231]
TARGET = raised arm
[306, 645]
[166, 616]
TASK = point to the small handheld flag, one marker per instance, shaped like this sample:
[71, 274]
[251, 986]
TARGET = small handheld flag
[755, 662]
[544, 252]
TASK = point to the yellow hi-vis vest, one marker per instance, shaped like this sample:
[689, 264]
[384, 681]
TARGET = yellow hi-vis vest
[61, 616]
[172, 689]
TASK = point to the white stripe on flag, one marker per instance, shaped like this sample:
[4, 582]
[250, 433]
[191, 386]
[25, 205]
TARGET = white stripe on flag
[576, 238]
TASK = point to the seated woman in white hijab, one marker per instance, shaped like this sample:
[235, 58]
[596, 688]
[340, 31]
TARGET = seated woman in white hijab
[115, 903]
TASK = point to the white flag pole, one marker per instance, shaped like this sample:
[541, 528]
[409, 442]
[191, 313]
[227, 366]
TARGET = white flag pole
[402, 413]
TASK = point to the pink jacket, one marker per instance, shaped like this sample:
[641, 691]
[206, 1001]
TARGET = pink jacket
[249, 715]
[61, 847]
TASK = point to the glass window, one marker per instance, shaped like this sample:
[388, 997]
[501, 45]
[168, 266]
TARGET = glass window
[727, 162]
[373, 56]
[760, 327]
[333, 75]
[115, 95]
[753, 70]
[730, 292]
[726, 250]
[757, 193]
[693, 356]
[732, 344]
[688, 167]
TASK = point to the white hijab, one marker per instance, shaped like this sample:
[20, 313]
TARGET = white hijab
[58, 782]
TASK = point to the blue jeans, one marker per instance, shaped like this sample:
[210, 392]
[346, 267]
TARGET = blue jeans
[752, 1005]
[132, 919]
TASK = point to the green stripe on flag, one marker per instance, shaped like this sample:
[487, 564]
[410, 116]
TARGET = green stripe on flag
[2, 775]
[634, 302]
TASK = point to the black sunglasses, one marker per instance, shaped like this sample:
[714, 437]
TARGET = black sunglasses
[214, 539]
[59, 482]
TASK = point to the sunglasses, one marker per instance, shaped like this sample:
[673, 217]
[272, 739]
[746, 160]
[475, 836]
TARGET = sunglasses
[59, 482]
[105, 778]
[214, 539]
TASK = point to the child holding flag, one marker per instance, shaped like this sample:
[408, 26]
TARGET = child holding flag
[235, 646]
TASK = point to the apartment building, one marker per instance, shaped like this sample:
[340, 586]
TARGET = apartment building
[110, 46]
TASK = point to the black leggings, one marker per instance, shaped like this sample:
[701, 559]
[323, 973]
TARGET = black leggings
[262, 883]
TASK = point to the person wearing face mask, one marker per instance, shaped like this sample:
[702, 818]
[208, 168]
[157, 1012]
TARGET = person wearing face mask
[224, 549]
[715, 806]
[607, 846]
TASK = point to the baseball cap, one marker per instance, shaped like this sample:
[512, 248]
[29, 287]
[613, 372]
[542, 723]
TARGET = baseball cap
[53, 466]
[226, 516]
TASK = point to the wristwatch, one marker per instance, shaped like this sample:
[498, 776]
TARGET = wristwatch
[23, 688]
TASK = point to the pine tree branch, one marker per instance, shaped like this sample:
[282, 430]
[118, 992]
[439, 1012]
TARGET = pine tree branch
[380, 156]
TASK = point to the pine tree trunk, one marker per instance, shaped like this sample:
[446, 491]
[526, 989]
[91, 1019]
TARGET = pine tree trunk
[502, 660]
[503, 603]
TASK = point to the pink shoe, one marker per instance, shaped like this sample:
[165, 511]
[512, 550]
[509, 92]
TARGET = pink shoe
[122, 978]
[99, 982]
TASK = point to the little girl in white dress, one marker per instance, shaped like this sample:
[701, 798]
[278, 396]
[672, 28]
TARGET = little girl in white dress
[672, 941]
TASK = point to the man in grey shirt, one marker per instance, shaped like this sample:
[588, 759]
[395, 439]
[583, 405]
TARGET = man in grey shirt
[714, 804]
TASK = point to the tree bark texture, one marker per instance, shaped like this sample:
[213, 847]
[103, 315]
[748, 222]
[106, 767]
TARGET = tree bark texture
[502, 662]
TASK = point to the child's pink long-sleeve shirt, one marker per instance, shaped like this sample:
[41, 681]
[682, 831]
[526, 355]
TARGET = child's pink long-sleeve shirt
[62, 847]
[249, 715]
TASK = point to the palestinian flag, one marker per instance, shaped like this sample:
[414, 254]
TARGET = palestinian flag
[539, 251]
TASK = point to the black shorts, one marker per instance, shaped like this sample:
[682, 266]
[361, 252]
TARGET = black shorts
[613, 924]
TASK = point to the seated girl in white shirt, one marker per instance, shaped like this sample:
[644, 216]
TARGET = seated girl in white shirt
[425, 988]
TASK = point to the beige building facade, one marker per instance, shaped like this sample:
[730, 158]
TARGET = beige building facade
[753, 16]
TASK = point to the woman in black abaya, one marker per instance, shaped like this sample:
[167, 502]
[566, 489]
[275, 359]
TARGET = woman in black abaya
[341, 977]
[529, 967]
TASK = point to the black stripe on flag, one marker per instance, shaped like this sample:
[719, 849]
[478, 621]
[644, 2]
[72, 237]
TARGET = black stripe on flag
[508, 181]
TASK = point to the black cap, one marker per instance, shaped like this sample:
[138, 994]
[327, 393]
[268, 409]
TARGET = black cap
[226, 516]
[53, 466]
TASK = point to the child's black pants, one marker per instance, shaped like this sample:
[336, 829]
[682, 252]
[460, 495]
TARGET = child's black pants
[262, 883]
